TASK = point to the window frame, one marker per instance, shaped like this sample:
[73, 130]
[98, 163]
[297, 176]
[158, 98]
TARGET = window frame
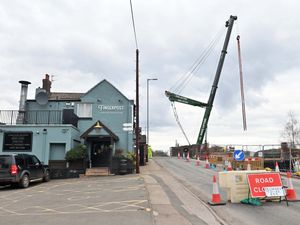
[83, 113]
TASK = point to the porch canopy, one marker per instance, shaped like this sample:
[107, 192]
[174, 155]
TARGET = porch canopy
[99, 131]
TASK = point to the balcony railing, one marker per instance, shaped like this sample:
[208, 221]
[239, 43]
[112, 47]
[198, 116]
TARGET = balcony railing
[9, 117]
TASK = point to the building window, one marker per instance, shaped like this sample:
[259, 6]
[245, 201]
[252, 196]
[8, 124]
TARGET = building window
[84, 110]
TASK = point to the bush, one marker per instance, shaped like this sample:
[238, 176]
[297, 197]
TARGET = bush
[131, 156]
[77, 153]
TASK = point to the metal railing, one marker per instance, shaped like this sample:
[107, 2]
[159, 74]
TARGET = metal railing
[9, 117]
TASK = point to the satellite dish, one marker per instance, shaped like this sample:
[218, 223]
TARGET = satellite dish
[41, 96]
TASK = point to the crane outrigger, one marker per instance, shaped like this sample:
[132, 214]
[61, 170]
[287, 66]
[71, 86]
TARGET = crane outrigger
[208, 106]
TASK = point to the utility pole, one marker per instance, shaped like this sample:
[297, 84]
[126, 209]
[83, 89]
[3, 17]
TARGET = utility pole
[137, 126]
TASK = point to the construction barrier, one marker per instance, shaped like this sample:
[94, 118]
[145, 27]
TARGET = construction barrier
[226, 160]
[236, 184]
[255, 163]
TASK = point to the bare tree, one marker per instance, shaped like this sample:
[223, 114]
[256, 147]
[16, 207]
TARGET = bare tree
[291, 132]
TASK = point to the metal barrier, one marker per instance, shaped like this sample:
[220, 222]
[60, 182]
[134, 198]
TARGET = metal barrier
[9, 117]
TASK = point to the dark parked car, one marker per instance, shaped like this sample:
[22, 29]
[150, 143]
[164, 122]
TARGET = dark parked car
[21, 169]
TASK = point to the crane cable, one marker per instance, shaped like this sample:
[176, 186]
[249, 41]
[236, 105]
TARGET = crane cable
[181, 83]
[133, 24]
[178, 122]
[186, 78]
[241, 84]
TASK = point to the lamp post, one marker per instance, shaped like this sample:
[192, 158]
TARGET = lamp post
[148, 108]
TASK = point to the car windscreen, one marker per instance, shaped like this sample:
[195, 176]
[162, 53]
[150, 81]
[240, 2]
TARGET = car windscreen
[5, 162]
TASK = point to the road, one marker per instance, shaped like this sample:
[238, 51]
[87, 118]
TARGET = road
[198, 181]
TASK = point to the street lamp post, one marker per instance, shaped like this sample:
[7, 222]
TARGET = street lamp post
[148, 108]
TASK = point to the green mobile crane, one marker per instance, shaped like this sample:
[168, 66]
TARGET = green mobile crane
[208, 106]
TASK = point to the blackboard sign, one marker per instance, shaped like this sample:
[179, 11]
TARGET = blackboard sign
[17, 141]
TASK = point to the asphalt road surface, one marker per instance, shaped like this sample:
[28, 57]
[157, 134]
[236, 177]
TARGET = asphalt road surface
[112, 200]
[198, 180]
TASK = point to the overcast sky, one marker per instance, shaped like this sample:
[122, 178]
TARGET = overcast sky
[81, 42]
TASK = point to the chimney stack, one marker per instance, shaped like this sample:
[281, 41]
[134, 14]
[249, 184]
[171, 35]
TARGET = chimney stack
[47, 84]
[23, 98]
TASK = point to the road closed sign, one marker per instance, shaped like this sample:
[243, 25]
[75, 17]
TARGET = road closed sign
[260, 181]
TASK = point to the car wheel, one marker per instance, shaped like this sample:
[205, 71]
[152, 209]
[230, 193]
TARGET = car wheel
[46, 178]
[24, 182]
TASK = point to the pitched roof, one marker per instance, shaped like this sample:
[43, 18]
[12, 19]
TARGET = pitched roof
[109, 131]
[65, 96]
[105, 81]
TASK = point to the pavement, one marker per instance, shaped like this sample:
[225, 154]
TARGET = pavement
[171, 202]
[153, 197]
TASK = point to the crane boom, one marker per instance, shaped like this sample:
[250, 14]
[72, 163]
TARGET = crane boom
[229, 25]
[208, 106]
[179, 98]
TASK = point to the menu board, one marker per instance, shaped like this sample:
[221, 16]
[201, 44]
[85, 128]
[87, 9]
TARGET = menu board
[17, 141]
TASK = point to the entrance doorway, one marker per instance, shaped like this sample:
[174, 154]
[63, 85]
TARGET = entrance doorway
[101, 154]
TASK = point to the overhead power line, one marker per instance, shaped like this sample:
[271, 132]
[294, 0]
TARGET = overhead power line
[133, 24]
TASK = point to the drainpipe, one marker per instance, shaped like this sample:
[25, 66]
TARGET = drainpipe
[23, 98]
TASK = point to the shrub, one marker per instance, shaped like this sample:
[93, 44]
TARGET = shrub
[131, 156]
[77, 153]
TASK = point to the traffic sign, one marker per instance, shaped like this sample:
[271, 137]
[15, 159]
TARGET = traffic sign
[275, 191]
[259, 181]
[239, 155]
[127, 127]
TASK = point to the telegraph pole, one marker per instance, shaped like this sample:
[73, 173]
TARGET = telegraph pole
[137, 126]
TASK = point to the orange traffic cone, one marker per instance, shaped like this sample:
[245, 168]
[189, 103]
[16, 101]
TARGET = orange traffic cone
[178, 155]
[216, 197]
[277, 167]
[188, 157]
[290, 192]
[229, 168]
[206, 163]
[198, 161]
